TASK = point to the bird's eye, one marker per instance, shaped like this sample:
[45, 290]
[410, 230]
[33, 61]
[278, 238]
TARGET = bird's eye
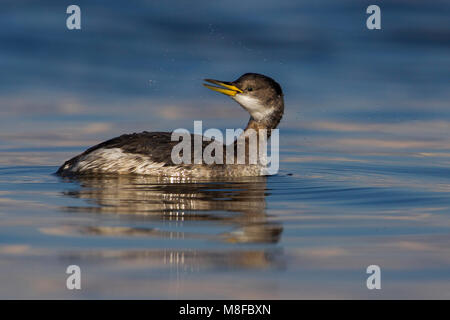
[249, 89]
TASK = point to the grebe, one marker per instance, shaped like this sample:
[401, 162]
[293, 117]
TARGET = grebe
[149, 153]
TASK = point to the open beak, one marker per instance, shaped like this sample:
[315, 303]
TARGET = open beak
[227, 87]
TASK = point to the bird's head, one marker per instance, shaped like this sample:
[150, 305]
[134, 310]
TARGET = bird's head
[260, 95]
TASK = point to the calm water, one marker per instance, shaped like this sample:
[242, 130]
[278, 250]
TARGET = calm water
[365, 150]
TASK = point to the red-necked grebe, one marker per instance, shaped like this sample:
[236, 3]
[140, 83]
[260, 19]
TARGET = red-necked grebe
[149, 153]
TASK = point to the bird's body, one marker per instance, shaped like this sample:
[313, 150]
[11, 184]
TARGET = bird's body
[150, 153]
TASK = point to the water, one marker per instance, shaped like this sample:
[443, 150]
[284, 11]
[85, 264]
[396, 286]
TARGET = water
[365, 151]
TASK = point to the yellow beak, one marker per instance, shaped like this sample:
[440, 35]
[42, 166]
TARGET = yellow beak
[229, 91]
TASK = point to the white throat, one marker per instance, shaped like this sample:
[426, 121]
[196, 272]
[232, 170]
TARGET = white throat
[257, 110]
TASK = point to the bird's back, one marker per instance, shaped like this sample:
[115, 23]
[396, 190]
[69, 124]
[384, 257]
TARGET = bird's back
[141, 153]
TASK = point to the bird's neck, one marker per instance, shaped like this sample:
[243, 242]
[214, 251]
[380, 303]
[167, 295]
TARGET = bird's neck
[270, 122]
[258, 133]
[256, 126]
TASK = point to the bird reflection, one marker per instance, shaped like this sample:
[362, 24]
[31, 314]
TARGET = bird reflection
[238, 204]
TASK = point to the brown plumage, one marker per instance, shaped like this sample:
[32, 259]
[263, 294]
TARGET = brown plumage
[150, 152]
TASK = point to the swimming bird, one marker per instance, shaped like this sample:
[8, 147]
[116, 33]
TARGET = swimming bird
[149, 153]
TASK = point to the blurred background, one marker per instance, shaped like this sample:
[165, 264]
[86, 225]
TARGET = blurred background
[365, 147]
[140, 67]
